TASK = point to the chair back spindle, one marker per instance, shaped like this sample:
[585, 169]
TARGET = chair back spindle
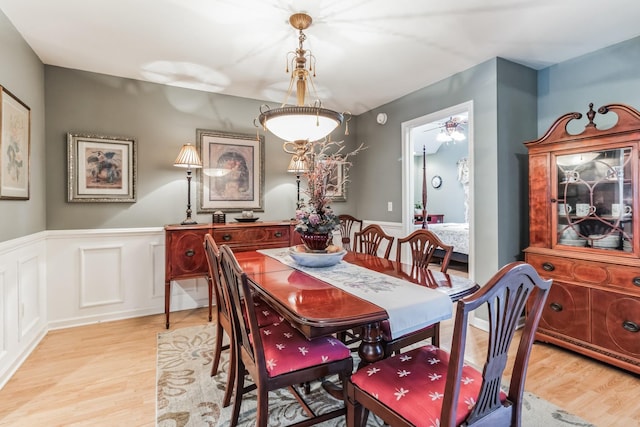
[369, 240]
[348, 224]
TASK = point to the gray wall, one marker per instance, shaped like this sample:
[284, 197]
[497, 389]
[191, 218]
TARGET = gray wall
[449, 198]
[22, 73]
[609, 75]
[504, 116]
[161, 118]
[517, 119]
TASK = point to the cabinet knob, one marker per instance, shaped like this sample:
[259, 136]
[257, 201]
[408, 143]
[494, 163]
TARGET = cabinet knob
[278, 234]
[636, 281]
[555, 307]
[630, 326]
[226, 237]
[547, 266]
[190, 252]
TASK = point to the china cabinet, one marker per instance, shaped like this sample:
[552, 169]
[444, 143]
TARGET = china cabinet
[584, 232]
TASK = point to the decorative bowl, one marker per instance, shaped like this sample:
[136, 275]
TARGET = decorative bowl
[247, 219]
[316, 259]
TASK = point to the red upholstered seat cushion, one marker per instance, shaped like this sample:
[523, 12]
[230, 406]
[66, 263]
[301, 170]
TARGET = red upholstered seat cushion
[386, 330]
[287, 350]
[412, 383]
[265, 314]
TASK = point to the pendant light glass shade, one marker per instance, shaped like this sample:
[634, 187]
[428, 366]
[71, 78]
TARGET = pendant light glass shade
[300, 123]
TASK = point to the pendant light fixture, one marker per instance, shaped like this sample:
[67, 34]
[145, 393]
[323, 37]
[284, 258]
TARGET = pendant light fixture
[302, 123]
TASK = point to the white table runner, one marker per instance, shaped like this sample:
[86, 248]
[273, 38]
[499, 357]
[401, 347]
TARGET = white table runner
[409, 307]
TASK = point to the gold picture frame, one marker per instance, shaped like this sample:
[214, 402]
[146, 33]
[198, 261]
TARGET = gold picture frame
[15, 147]
[101, 168]
[232, 174]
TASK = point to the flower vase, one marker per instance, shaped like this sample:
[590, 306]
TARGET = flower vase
[316, 242]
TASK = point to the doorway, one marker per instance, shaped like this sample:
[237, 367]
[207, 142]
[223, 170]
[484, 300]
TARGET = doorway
[414, 141]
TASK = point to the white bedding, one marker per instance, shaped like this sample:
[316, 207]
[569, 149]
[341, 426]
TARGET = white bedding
[452, 233]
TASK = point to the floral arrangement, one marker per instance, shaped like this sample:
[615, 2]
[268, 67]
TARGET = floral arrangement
[316, 215]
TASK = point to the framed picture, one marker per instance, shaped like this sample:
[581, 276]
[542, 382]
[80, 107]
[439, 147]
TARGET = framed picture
[101, 168]
[15, 145]
[232, 174]
[338, 182]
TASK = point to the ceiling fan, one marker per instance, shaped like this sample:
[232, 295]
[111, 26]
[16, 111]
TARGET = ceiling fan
[451, 129]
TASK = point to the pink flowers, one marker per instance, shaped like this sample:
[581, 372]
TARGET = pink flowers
[315, 215]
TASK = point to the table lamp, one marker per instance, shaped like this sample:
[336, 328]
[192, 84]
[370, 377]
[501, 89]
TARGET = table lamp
[298, 165]
[188, 158]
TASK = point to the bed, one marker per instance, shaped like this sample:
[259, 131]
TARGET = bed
[455, 234]
[451, 233]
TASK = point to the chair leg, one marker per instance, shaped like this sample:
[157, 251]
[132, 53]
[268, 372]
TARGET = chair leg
[262, 417]
[356, 414]
[231, 375]
[217, 349]
[435, 340]
[239, 386]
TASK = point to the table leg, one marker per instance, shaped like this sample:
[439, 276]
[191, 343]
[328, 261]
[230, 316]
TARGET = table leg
[167, 301]
[371, 349]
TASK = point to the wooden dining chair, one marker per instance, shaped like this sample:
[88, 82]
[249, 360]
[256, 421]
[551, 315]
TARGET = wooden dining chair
[265, 315]
[276, 356]
[429, 386]
[348, 225]
[369, 240]
[423, 245]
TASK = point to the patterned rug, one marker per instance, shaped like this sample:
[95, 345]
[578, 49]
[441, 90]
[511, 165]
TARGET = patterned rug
[187, 396]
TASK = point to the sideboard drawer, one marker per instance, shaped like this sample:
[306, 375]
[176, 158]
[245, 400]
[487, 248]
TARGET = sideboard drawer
[625, 278]
[251, 238]
[551, 267]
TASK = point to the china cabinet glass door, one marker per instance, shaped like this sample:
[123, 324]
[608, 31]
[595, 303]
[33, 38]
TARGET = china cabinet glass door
[594, 200]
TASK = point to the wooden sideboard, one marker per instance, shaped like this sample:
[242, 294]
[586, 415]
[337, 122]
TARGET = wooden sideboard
[184, 250]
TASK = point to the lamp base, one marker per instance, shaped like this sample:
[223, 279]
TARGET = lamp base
[189, 221]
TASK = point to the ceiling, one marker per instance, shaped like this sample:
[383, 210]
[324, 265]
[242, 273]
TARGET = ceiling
[368, 52]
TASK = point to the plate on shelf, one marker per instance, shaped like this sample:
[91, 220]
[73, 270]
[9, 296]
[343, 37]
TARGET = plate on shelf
[241, 219]
[315, 259]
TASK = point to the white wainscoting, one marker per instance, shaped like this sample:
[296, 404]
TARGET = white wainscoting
[100, 275]
[65, 278]
[23, 300]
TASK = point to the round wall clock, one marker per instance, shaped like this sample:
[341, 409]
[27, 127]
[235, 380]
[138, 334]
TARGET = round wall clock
[436, 181]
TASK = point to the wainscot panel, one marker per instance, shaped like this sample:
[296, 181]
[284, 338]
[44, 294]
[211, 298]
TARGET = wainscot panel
[23, 308]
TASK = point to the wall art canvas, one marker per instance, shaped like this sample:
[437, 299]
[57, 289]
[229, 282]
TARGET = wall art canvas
[15, 145]
[101, 168]
[232, 174]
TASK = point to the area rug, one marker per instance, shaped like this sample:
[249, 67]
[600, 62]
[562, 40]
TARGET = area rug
[187, 396]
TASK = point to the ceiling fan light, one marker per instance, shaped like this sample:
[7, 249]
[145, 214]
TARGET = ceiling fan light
[456, 135]
[443, 137]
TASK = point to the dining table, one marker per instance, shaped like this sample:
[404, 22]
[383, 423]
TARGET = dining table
[353, 294]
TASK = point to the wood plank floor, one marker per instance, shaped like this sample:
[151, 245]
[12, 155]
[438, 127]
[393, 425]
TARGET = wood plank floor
[104, 375]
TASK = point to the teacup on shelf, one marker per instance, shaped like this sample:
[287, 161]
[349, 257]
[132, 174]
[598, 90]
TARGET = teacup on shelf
[584, 209]
[619, 209]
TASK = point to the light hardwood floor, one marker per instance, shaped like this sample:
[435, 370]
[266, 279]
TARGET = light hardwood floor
[104, 375]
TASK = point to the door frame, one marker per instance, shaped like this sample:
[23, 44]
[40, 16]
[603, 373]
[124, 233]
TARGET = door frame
[408, 172]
